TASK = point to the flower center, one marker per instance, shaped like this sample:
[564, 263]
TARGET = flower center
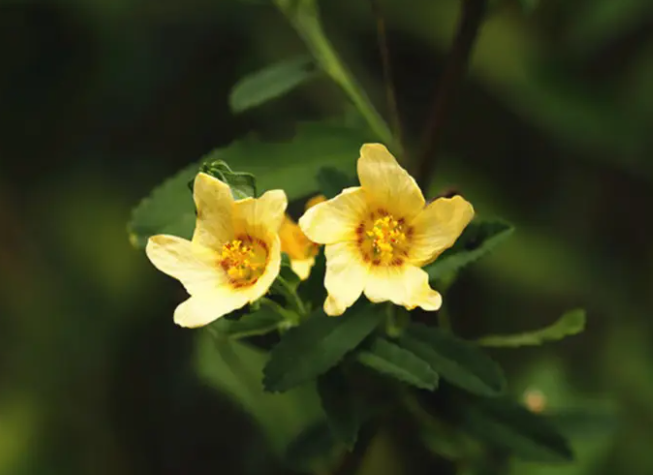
[244, 260]
[386, 234]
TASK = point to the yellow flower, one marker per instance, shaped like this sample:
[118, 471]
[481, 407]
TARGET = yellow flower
[233, 257]
[380, 234]
[300, 249]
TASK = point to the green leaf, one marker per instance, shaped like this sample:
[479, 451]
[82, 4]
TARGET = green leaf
[584, 422]
[392, 360]
[234, 368]
[332, 181]
[460, 362]
[571, 323]
[260, 322]
[271, 82]
[478, 239]
[508, 425]
[313, 448]
[170, 208]
[317, 345]
[242, 184]
[340, 405]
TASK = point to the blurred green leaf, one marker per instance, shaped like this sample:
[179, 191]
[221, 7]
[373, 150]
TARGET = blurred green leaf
[478, 239]
[170, 209]
[340, 405]
[571, 323]
[242, 184]
[312, 448]
[315, 346]
[584, 422]
[332, 181]
[508, 425]
[392, 360]
[460, 362]
[260, 322]
[235, 368]
[271, 82]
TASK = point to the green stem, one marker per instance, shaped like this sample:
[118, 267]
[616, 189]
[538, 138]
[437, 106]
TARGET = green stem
[290, 316]
[290, 294]
[304, 16]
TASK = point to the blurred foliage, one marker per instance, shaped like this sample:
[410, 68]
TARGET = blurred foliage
[102, 100]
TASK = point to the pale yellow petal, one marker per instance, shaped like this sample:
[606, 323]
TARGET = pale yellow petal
[437, 227]
[202, 310]
[387, 183]
[406, 285]
[337, 219]
[346, 275]
[261, 215]
[197, 267]
[214, 205]
[302, 267]
[333, 307]
[262, 285]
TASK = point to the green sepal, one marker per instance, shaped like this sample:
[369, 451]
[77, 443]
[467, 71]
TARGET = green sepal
[243, 185]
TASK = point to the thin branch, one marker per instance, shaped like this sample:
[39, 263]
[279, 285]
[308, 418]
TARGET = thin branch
[472, 15]
[390, 93]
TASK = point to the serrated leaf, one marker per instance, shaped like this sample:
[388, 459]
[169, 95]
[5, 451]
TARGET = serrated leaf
[571, 323]
[478, 239]
[461, 363]
[242, 184]
[166, 210]
[392, 360]
[260, 322]
[508, 425]
[170, 208]
[271, 82]
[340, 405]
[332, 181]
[317, 345]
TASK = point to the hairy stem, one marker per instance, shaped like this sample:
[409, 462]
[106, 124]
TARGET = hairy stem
[472, 15]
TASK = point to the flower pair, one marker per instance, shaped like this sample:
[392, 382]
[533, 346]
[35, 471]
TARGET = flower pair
[377, 235]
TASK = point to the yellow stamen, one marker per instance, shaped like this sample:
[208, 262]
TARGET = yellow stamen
[237, 260]
[386, 234]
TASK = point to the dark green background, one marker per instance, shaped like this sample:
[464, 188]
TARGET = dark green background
[101, 100]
